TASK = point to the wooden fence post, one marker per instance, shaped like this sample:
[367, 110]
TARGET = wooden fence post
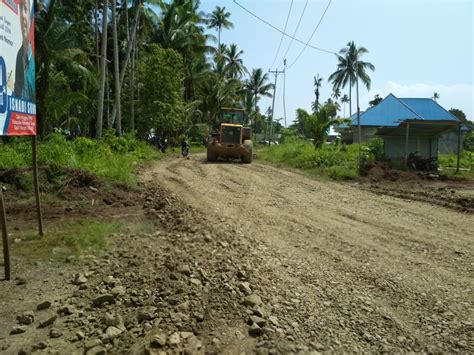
[6, 246]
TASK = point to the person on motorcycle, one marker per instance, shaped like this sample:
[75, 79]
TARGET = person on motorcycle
[185, 148]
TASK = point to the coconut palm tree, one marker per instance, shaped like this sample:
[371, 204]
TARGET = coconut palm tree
[219, 19]
[344, 100]
[435, 96]
[344, 75]
[258, 85]
[317, 85]
[234, 64]
[336, 94]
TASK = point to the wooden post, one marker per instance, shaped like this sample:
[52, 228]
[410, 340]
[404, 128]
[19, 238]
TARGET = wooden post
[406, 145]
[6, 246]
[459, 148]
[36, 185]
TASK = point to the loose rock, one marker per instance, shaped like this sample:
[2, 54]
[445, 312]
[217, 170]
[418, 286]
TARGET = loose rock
[100, 300]
[55, 333]
[19, 329]
[43, 305]
[252, 300]
[26, 318]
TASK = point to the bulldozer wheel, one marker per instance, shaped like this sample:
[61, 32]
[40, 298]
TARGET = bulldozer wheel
[247, 158]
[211, 154]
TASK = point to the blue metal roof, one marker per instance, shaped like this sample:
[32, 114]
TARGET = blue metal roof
[391, 111]
[429, 109]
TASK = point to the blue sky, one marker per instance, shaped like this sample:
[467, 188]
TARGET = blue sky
[417, 46]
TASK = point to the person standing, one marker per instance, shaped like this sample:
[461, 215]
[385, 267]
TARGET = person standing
[25, 61]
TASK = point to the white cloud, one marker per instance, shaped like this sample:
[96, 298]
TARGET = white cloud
[460, 96]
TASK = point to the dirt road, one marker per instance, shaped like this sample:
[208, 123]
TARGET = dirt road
[345, 268]
[231, 258]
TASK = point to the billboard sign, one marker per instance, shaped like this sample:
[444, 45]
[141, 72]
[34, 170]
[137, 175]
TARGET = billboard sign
[17, 68]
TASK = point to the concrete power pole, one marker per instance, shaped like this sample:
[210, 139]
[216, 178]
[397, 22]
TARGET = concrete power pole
[274, 72]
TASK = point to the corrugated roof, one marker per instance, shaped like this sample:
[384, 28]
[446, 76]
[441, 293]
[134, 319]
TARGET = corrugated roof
[429, 109]
[391, 111]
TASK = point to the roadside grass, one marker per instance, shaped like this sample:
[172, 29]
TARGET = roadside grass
[336, 162]
[111, 158]
[448, 163]
[64, 238]
[73, 237]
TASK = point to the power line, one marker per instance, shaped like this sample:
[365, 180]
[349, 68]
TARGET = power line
[310, 38]
[282, 32]
[282, 36]
[296, 29]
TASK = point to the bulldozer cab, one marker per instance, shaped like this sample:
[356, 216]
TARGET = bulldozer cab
[232, 115]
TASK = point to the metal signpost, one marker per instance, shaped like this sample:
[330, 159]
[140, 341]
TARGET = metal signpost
[18, 91]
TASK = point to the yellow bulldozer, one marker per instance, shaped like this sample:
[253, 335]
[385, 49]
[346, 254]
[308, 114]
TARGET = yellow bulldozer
[232, 139]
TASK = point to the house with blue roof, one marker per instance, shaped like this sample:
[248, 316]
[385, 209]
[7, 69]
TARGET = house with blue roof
[407, 125]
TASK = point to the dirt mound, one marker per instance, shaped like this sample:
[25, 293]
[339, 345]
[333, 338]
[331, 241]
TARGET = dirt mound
[68, 192]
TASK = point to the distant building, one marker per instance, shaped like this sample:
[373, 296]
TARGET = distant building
[408, 125]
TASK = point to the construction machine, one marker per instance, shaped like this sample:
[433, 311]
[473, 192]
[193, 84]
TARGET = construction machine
[232, 139]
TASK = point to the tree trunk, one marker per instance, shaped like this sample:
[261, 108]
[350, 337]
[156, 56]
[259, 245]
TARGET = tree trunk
[117, 101]
[127, 56]
[100, 106]
[131, 72]
[350, 97]
[97, 38]
[358, 120]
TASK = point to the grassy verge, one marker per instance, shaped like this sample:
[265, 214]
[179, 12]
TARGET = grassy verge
[448, 163]
[331, 161]
[65, 238]
[73, 237]
[112, 157]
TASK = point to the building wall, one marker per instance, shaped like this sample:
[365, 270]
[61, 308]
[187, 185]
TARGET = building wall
[448, 142]
[395, 147]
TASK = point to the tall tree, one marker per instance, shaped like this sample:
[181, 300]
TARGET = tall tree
[375, 101]
[344, 100]
[435, 96]
[234, 64]
[118, 89]
[258, 85]
[219, 19]
[103, 58]
[317, 86]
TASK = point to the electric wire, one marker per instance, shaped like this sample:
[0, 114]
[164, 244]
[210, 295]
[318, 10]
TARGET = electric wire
[282, 36]
[310, 38]
[283, 33]
[296, 29]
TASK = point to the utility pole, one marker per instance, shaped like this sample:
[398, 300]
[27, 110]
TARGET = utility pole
[284, 90]
[274, 72]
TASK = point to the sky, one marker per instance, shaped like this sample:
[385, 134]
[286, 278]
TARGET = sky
[418, 47]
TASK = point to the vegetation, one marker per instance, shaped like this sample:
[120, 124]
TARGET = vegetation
[111, 158]
[76, 237]
[338, 162]
[350, 69]
[167, 64]
[448, 163]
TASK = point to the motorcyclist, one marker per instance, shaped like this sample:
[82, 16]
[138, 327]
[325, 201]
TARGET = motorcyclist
[185, 148]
